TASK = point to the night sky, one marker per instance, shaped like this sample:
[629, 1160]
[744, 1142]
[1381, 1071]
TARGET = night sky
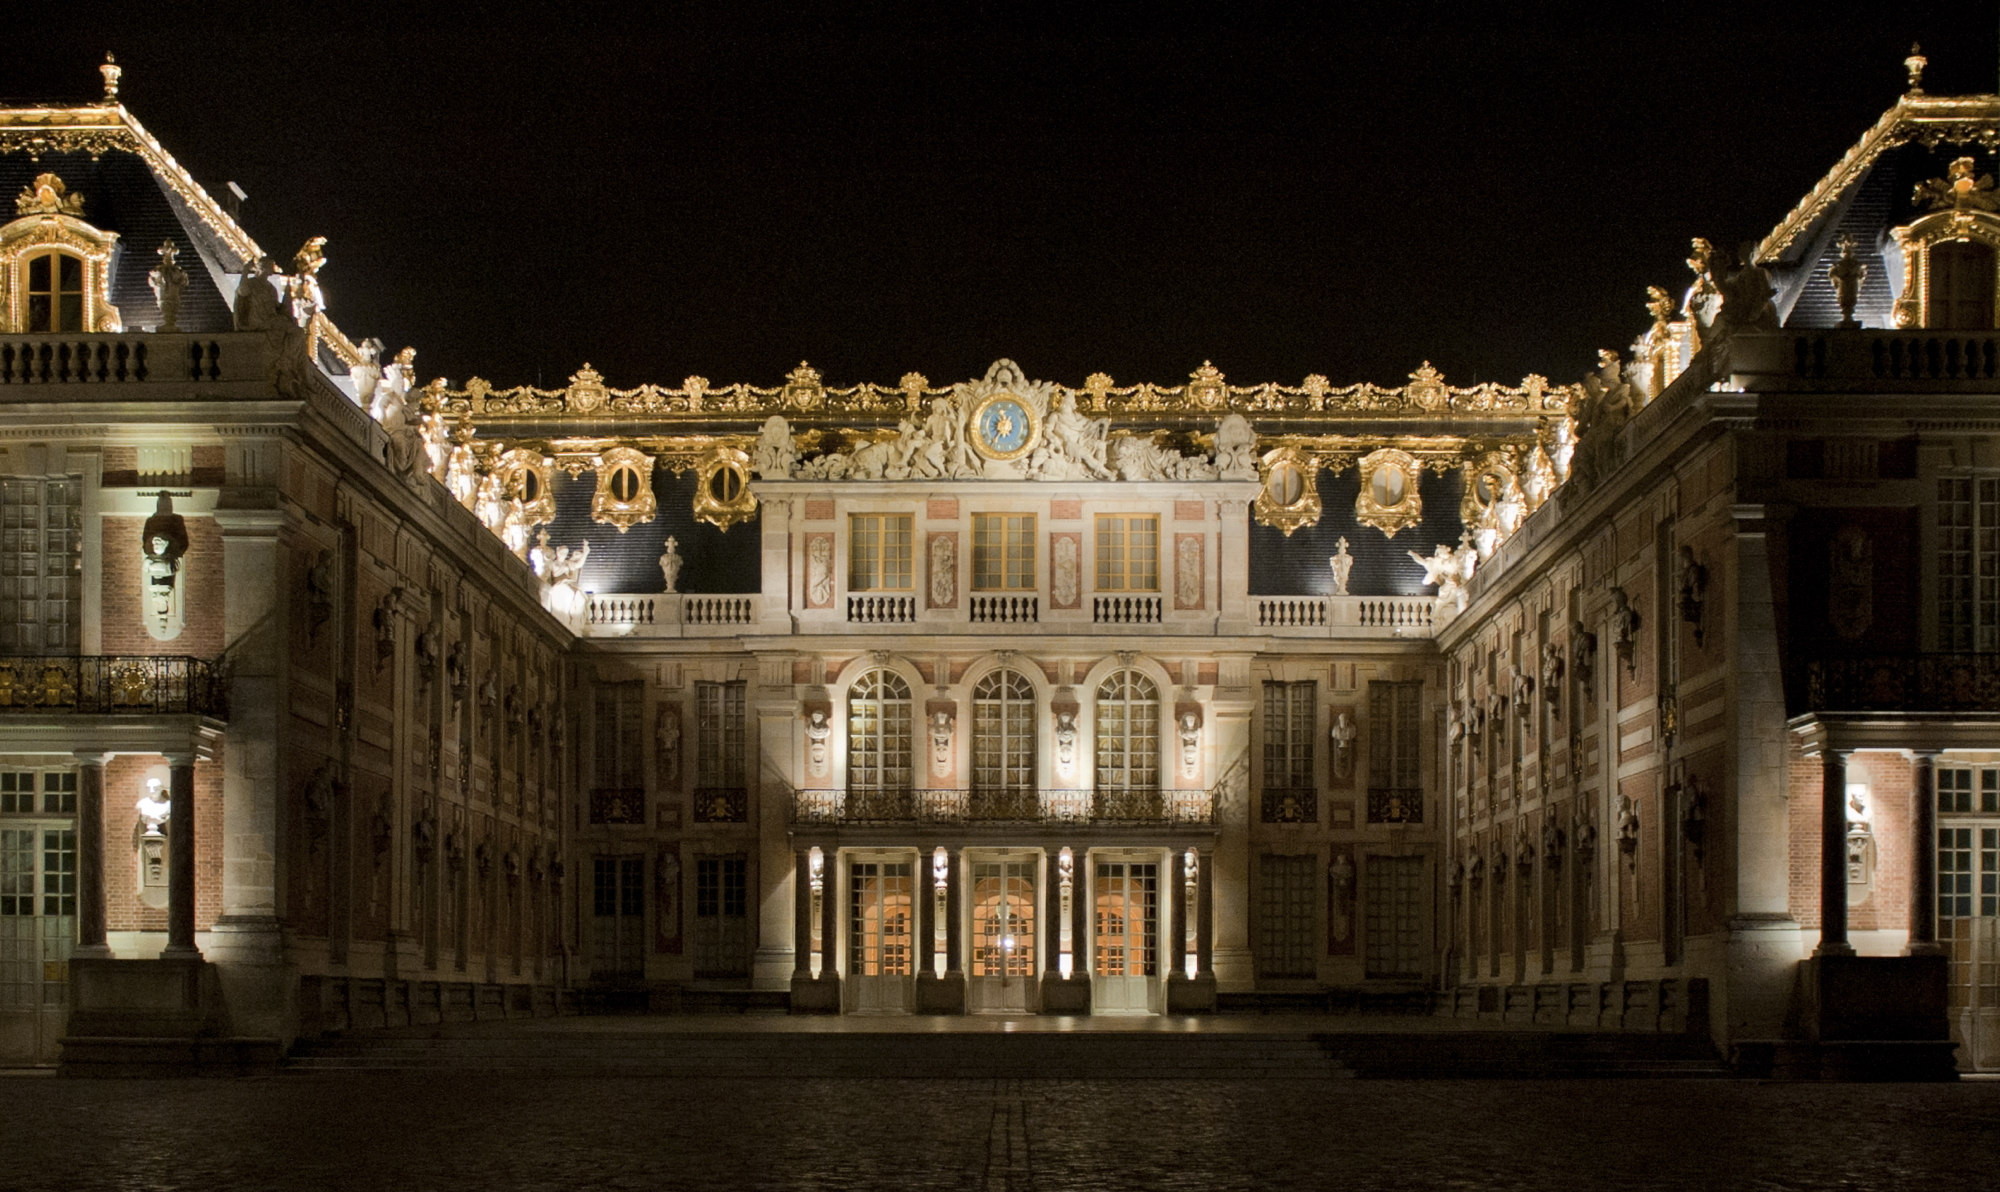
[725, 190]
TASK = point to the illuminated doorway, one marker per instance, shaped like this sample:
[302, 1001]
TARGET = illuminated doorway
[1003, 937]
[881, 960]
[1125, 968]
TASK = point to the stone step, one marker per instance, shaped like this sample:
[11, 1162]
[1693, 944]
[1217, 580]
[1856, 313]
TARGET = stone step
[1027, 1054]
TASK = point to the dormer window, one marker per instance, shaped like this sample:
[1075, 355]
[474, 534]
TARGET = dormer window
[55, 292]
[55, 269]
[1951, 255]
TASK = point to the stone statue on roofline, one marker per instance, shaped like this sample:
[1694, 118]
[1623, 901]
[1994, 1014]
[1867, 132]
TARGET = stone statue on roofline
[775, 455]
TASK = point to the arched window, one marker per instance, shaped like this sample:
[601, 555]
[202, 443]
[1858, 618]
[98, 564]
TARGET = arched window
[1128, 733]
[55, 292]
[1003, 739]
[878, 734]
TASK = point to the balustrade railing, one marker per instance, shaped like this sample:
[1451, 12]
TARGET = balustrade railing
[1905, 683]
[1287, 611]
[881, 610]
[108, 359]
[1146, 806]
[111, 683]
[1005, 610]
[1125, 610]
[718, 610]
[620, 610]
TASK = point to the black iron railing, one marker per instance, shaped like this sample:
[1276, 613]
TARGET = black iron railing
[98, 683]
[1905, 683]
[1148, 806]
[618, 805]
[1395, 805]
[1294, 806]
[721, 805]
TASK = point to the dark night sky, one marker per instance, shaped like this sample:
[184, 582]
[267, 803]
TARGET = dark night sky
[724, 191]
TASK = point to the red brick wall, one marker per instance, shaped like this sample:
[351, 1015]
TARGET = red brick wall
[124, 786]
[201, 572]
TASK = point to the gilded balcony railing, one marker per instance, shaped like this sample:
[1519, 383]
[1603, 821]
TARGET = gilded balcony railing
[1135, 806]
[98, 683]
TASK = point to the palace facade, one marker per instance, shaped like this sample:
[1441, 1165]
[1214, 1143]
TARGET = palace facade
[1665, 700]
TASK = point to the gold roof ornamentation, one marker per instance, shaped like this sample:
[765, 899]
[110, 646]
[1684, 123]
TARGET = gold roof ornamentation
[48, 196]
[1958, 190]
[804, 395]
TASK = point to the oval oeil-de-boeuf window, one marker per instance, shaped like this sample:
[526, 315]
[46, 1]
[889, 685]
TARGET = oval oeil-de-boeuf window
[1286, 484]
[624, 485]
[725, 485]
[1388, 487]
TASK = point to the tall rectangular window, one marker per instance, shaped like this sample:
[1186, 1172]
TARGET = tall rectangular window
[1968, 514]
[41, 566]
[721, 916]
[878, 552]
[1288, 888]
[618, 735]
[1128, 553]
[1289, 716]
[1395, 712]
[1394, 900]
[1003, 552]
[718, 716]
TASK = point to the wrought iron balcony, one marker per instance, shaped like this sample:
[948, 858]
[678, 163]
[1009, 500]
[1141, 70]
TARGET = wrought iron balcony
[1905, 683]
[1130, 806]
[98, 683]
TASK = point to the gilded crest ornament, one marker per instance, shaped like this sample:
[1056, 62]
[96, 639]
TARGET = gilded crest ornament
[1289, 494]
[586, 393]
[1205, 388]
[1005, 427]
[1389, 499]
[803, 388]
[48, 196]
[1427, 388]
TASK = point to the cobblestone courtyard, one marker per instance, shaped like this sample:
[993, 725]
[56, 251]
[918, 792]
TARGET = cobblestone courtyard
[396, 1131]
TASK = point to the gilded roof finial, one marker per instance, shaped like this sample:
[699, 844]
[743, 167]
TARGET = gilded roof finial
[110, 70]
[1915, 64]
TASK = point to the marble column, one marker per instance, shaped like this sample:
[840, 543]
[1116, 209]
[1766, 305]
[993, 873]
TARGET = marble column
[1923, 857]
[954, 901]
[180, 859]
[802, 917]
[1204, 921]
[923, 888]
[1177, 917]
[1833, 856]
[1050, 926]
[90, 943]
[829, 914]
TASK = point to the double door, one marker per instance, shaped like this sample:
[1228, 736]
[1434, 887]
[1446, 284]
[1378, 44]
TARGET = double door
[1968, 922]
[1125, 934]
[881, 937]
[1002, 976]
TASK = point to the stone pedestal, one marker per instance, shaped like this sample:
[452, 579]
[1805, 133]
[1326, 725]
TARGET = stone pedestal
[1191, 996]
[1867, 1018]
[940, 995]
[137, 1018]
[1066, 995]
[818, 995]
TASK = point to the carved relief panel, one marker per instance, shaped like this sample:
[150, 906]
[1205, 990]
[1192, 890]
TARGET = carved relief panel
[1190, 577]
[1065, 569]
[941, 551]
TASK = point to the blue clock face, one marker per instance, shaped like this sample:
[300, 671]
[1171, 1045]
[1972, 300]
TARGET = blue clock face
[1004, 428]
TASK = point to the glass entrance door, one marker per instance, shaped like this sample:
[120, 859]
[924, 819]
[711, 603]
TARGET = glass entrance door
[881, 972]
[1125, 968]
[37, 930]
[1003, 937]
[1968, 921]
[618, 918]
